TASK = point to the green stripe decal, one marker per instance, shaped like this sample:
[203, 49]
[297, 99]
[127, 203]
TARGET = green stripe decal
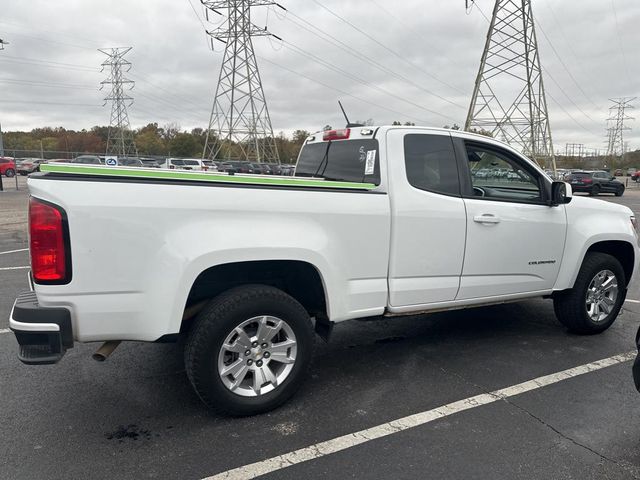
[200, 177]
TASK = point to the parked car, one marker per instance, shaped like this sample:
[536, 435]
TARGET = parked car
[631, 171]
[183, 164]
[209, 166]
[88, 160]
[261, 168]
[239, 166]
[151, 162]
[635, 176]
[595, 183]
[7, 167]
[130, 162]
[30, 165]
[617, 172]
[245, 275]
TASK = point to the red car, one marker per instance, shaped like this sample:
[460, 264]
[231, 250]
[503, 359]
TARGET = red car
[7, 167]
[635, 176]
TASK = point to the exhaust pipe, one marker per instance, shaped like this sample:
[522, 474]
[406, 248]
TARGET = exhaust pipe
[105, 350]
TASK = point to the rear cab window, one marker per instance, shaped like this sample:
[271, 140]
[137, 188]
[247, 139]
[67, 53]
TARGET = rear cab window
[355, 160]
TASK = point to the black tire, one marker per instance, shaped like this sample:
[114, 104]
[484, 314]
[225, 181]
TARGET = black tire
[620, 191]
[9, 173]
[24, 174]
[217, 320]
[595, 190]
[570, 305]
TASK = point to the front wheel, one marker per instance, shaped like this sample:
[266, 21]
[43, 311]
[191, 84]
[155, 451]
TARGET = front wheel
[595, 300]
[249, 350]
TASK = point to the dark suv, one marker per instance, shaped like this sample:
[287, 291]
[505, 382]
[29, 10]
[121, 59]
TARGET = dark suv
[595, 182]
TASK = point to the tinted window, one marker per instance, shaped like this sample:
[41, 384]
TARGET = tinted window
[431, 163]
[341, 160]
[191, 162]
[499, 175]
[177, 162]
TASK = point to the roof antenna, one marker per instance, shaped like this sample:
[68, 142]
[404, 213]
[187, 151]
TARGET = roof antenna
[349, 124]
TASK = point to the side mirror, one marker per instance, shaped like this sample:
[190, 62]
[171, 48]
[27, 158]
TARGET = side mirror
[561, 193]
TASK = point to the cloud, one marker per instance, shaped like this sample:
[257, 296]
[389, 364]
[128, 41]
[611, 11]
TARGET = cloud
[426, 51]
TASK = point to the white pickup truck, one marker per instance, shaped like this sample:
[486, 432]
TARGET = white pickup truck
[377, 221]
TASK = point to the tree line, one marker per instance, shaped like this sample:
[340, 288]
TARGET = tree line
[151, 140]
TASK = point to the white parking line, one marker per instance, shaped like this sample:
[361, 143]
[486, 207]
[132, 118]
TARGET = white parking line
[15, 268]
[14, 251]
[4, 330]
[351, 440]
[632, 301]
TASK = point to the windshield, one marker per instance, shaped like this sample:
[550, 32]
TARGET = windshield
[347, 161]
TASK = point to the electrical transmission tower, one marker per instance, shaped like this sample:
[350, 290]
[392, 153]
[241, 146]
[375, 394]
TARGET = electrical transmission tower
[239, 125]
[616, 127]
[509, 99]
[120, 138]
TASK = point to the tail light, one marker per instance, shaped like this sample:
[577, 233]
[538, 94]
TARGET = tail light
[205, 168]
[49, 243]
[172, 167]
[587, 180]
[336, 134]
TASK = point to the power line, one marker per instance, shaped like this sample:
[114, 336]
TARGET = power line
[390, 50]
[360, 80]
[567, 70]
[362, 57]
[343, 92]
[620, 45]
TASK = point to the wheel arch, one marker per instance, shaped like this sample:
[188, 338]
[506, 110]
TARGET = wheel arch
[621, 250]
[300, 279]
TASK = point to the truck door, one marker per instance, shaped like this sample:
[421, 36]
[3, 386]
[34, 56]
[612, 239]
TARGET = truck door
[428, 225]
[515, 241]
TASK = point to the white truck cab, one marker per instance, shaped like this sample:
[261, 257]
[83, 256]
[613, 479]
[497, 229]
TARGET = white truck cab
[376, 221]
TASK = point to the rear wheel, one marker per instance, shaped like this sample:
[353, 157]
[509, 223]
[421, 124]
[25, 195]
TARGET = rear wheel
[595, 300]
[249, 350]
[595, 190]
[10, 172]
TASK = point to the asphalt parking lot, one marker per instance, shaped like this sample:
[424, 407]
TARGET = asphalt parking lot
[136, 416]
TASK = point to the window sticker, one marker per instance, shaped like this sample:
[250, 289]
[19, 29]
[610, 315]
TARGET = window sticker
[371, 162]
[363, 155]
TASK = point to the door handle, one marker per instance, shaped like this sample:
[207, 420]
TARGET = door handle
[486, 218]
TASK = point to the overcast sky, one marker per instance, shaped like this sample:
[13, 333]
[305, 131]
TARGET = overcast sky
[50, 75]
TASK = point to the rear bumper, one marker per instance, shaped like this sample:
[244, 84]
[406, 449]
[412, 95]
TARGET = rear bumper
[44, 334]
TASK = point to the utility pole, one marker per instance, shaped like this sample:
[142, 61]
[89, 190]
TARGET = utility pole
[616, 128]
[120, 137]
[509, 98]
[2, 44]
[239, 117]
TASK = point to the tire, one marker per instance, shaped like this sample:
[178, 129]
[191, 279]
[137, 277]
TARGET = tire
[215, 328]
[571, 306]
[620, 191]
[9, 173]
[595, 190]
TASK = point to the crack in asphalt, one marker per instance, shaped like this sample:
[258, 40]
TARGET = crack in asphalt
[625, 467]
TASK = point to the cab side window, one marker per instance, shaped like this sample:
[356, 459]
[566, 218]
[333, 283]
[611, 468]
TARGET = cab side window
[498, 175]
[430, 163]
